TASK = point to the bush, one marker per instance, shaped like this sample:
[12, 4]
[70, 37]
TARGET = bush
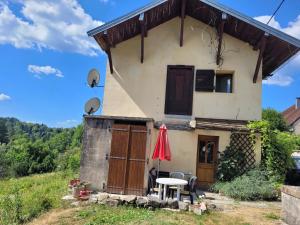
[229, 165]
[253, 185]
[277, 148]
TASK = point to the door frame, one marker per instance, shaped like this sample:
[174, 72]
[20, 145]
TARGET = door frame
[215, 154]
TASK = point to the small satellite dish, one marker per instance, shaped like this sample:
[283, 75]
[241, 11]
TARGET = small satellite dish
[93, 78]
[92, 105]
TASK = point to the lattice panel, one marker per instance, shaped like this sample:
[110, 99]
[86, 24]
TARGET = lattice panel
[243, 142]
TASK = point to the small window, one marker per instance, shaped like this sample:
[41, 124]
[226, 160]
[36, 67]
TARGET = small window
[224, 83]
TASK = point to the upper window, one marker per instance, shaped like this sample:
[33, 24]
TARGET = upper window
[179, 90]
[224, 83]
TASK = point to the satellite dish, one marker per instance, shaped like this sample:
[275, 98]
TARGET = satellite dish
[92, 105]
[93, 78]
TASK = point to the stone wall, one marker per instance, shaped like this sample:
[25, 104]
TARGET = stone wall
[290, 197]
[96, 145]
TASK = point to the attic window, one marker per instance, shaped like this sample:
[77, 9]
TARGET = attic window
[223, 83]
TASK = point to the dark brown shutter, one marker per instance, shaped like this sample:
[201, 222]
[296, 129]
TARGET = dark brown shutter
[205, 80]
[179, 90]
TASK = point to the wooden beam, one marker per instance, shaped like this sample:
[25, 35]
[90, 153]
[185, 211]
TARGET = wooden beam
[262, 47]
[183, 6]
[108, 52]
[220, 36]
[142, 23]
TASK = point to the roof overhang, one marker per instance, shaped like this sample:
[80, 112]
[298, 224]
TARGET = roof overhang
[280, 47]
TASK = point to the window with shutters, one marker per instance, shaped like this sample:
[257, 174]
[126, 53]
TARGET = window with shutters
[224, 83]
[179, 90]
[205, 80]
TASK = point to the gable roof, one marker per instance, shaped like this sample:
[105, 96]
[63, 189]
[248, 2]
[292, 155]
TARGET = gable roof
[291, 114]
[280, 46]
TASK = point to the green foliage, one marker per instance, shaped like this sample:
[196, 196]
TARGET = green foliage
[254, 185]
[35, 148]
[277, 148]
[3, 132]
[275, 119]
[23, 199]
[229, 165]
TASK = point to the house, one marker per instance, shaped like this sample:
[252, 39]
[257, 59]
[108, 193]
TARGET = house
[292, 116]
[196, 66]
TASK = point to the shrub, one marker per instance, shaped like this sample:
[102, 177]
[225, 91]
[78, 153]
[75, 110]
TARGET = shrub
[229, 165]
[276, 147]
[254, 185]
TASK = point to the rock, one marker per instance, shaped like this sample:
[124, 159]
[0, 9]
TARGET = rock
[93, 199]
[153, 202]
[197, 210]
[128, 199]
[101, 197]
[68, 198]
[173, 204]
[141, 202]
[114, 196]
[211, 207]
[75, 204]
[112, 202]
[163, 203]
[203, 207]
[184, 206]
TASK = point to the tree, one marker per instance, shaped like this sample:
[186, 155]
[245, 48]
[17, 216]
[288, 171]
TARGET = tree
[275, 119]
[3, 132]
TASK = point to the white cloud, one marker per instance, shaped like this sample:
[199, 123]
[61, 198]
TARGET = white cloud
[68, 123]
[4, 97]
[279, 80]
[293, 29]
[44, 70]
[60, 25]
[265, 19]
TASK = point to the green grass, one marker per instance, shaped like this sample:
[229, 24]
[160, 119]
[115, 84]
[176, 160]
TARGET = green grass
[23, 199]
[272, 216]
[101, 214]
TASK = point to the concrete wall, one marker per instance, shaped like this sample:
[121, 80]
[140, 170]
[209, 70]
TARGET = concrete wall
[290, 198]
[138, 90]
[96, 144]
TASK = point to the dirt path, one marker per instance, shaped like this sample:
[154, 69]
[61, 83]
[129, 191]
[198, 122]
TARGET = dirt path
[56, 216]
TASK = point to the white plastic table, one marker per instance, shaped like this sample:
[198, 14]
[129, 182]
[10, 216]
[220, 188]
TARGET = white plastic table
[169, 181]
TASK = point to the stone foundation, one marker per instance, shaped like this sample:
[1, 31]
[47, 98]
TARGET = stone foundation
[290, 197]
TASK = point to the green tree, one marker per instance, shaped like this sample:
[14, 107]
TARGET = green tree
[3, 132]
[275, 119]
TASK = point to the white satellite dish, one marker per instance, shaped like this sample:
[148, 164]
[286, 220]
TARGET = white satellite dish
[92, 105]
[93, 78]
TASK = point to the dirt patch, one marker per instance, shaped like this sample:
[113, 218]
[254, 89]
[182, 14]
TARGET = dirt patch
[57, 216]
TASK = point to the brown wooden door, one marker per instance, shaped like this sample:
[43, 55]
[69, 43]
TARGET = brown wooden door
[207, 160]
[127, 159]
[179, 90]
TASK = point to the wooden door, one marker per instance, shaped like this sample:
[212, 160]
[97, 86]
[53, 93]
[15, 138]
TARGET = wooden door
[207, 160]
[136, 160]
[127, 159]
[179, 90]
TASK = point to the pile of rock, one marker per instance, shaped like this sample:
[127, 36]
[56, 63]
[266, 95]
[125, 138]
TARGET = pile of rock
[150, 202]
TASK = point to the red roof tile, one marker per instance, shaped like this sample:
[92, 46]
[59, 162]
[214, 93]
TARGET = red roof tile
[291, 114]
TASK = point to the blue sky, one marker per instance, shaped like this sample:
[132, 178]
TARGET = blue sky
[45, 55]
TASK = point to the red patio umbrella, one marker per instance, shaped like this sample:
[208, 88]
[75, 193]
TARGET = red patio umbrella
[162, 148]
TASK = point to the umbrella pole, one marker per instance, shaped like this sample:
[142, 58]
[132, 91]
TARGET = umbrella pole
[158, 168]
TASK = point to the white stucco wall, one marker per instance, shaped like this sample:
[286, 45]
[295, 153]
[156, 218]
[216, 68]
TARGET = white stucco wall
[138, 90]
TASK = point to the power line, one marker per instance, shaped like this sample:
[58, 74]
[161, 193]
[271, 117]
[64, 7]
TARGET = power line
[276, 11]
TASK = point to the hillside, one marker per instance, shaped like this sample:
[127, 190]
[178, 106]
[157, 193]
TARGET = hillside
[29, 148]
